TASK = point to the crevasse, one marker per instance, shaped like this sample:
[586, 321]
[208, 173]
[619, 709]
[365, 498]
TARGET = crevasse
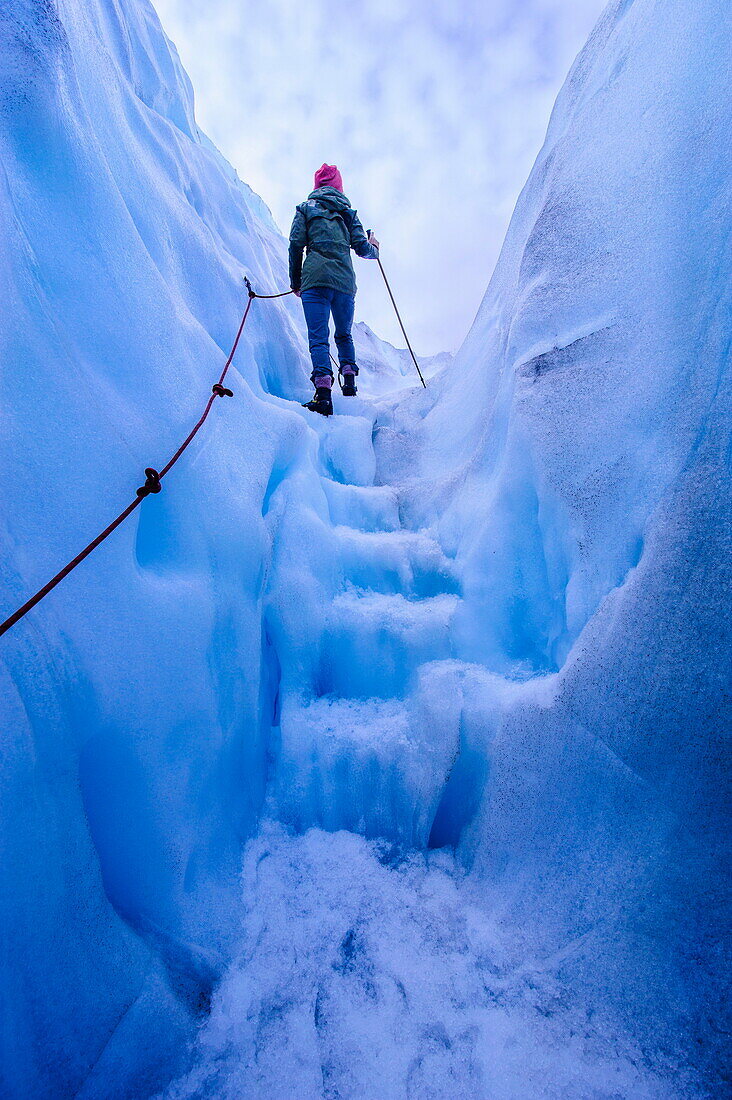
[450, 669]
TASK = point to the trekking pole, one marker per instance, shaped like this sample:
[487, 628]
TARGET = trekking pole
[399, 319]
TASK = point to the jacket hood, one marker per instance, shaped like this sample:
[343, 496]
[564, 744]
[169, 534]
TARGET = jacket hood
[331, 197]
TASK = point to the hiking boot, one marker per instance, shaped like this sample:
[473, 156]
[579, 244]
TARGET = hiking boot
[321, 403]
[349, 384]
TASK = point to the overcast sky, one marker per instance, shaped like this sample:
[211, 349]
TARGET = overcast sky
[434, 110]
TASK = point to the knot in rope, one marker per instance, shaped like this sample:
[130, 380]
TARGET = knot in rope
[221, 391]
[253, 294]
[152, 484]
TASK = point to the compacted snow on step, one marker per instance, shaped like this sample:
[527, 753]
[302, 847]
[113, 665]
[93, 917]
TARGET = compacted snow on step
[365, 975]
[375, 765]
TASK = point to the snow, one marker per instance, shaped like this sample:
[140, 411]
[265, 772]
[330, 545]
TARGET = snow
[448, 667]
[365, 975]
[386, 366]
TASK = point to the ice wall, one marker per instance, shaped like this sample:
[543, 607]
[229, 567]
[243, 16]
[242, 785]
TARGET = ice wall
[132, 756]
[585, 431]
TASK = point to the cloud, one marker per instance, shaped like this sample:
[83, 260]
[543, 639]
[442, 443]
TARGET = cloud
[433, 109]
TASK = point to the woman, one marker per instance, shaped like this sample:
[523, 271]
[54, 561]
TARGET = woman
[328, 227]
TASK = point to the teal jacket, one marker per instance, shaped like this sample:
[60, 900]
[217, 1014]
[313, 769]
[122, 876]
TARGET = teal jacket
[328, 227]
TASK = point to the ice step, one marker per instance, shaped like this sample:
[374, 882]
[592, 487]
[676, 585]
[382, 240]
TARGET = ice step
[405, 562]
[365, 508]
[346, 450]
[372, 642]
[373, 766]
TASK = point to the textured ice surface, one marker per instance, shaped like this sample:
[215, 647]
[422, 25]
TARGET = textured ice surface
[485, 625]
[364, 975]
[576, 460]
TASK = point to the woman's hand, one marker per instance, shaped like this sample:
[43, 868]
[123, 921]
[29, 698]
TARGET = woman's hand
[372, 239]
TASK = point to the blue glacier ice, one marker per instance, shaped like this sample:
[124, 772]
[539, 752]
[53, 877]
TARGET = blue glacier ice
[382, 756]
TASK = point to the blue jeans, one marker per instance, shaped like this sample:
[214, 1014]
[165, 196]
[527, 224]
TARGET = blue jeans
[318, 304]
